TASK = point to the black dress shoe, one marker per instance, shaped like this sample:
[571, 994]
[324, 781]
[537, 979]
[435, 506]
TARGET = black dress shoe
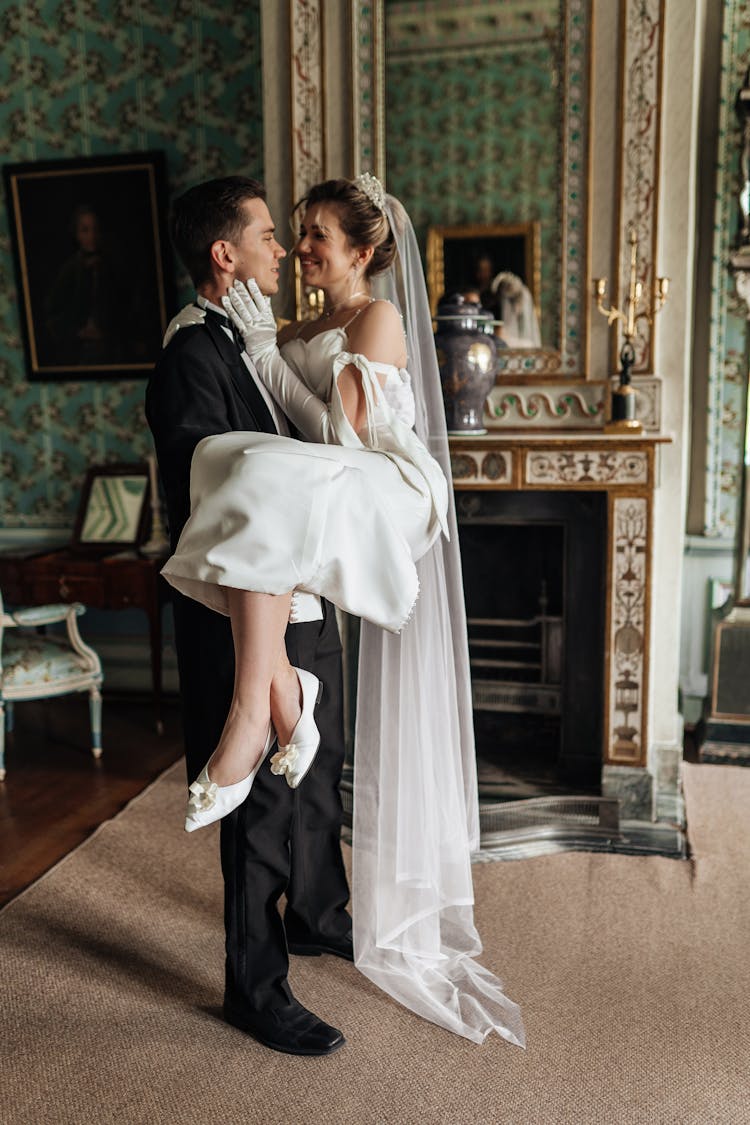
[337, 945]
[291, 1029]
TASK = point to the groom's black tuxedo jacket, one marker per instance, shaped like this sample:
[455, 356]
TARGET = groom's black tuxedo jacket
[280, 840]
[200, 387]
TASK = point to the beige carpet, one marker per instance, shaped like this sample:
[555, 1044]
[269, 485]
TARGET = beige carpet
[633, 975]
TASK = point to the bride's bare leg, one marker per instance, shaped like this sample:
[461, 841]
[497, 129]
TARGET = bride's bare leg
[286, 699]
[259, 622]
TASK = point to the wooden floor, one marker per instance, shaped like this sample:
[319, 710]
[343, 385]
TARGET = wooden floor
[55, 793]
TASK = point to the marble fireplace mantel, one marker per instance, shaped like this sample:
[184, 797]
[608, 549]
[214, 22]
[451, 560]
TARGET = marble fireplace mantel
[626, 468]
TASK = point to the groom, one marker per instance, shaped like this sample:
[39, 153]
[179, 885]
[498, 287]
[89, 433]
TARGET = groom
[280, 840]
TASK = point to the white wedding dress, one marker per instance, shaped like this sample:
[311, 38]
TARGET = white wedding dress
[346, 521]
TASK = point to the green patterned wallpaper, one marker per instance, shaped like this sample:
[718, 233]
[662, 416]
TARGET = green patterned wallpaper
[93, 79]
[473, 127]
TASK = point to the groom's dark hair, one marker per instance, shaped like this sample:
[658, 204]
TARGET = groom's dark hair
[207, 212]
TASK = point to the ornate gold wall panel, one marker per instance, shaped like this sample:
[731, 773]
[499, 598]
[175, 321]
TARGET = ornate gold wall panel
[307, 94]
[367, 77]
[641, 72]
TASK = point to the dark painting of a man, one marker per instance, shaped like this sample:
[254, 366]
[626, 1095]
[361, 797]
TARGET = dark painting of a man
[85, 300]
[90, 265]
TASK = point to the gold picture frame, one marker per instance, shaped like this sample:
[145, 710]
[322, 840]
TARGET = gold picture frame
[452, 250]
[93, 264]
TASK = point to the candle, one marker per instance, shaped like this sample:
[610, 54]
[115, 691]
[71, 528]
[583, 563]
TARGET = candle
[153, 481]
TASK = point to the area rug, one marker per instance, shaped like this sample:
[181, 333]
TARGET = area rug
[633, 975]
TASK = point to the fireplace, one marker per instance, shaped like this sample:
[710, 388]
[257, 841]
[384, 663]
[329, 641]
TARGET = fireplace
[625, 470]
[582, 506]
[534, 567]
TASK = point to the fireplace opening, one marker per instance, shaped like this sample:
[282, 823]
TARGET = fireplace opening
[534, 582]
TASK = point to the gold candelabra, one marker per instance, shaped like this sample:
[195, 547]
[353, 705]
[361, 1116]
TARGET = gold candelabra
[623, 418]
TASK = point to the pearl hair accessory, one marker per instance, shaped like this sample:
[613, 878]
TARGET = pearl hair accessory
[371, 186]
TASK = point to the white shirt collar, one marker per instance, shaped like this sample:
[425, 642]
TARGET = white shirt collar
[206, 304]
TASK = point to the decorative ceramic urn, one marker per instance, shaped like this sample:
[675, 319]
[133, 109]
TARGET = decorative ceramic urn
[466, 356]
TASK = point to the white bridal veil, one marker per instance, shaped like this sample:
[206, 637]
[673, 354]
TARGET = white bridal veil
[416, 816]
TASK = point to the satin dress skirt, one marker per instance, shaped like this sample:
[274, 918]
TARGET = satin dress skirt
[273, 514]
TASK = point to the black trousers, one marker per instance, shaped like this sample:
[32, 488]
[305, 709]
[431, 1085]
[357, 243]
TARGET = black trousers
[280, 840]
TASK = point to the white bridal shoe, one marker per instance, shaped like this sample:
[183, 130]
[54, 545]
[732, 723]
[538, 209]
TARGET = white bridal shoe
[209, 802]
[295, 759]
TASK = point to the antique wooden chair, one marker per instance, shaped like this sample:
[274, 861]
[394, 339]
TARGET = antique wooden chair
[38, 666]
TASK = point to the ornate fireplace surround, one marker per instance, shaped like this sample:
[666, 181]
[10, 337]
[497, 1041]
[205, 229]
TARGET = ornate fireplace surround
[626, 469]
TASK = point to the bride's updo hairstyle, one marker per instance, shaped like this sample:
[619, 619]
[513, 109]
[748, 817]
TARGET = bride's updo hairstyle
[362, 221]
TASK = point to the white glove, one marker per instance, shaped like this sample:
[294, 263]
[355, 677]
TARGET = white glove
[185, 318]
[252, 314]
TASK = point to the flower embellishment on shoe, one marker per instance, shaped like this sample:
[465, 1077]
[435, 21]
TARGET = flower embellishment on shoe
[204, 796]
[295, 758]
[284, 760]
[209, 801]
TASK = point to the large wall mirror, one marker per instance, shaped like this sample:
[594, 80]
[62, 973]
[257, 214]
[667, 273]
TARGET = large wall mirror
[487, 112]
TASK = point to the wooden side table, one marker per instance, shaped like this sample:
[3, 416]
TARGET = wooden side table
[125, 580]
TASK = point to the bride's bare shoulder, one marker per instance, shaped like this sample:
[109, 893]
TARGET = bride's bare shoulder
[378, 333]
[381, 312]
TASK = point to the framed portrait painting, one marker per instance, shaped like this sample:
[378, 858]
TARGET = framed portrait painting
[92, 264]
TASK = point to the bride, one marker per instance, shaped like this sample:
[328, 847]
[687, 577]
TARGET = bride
[361, 513]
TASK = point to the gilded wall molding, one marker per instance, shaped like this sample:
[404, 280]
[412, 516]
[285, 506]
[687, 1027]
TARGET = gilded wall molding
[641, 73]
[367, 86]
[307, 94]
[627, 630]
